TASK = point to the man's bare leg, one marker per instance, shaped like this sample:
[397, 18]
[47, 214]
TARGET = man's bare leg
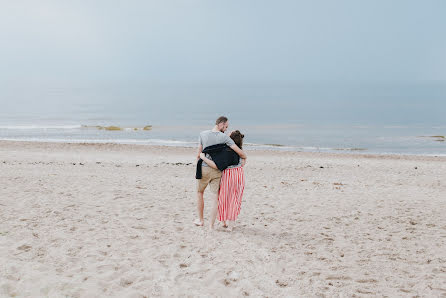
[214, 210]
[200, 207]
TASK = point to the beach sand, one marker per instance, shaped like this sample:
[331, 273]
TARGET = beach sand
[89, 220]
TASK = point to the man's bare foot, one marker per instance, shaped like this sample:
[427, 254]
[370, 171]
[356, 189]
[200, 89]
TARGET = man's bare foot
[198, 223]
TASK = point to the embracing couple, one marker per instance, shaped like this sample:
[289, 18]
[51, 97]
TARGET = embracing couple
[220, 162]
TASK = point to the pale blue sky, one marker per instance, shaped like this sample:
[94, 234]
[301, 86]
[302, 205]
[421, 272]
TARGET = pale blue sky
[381, 61]
[203, 41]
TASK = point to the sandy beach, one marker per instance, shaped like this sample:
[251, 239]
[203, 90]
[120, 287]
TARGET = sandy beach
[90, 220]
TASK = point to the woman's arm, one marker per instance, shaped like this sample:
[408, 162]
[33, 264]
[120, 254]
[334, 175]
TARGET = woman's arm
[208, 161]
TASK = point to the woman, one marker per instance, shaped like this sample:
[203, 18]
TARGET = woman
[232, 184]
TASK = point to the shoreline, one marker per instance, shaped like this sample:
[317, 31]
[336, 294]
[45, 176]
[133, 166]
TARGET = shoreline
[336, 153]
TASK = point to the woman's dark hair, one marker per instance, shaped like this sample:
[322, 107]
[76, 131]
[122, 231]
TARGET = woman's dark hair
[237, 137]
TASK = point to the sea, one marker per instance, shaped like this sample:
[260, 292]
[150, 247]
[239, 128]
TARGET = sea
[378, 118]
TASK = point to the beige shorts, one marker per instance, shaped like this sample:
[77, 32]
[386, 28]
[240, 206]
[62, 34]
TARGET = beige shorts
[209, 176]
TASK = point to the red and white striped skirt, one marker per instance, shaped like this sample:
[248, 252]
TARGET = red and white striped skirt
[232, 184]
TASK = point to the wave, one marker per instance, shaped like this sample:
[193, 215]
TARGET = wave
[301, 148]
[192, 144]
[33, 126]
[116, 128]
[73, 126]
[160, 142]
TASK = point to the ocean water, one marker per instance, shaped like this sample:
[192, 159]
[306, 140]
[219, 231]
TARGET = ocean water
[369, 118]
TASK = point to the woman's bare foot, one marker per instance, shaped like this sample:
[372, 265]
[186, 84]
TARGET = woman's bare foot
[224, 224]
[198, 222]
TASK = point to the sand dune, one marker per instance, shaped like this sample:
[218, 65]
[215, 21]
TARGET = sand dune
[116, 220]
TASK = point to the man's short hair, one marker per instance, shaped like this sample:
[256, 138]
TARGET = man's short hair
[221, 119]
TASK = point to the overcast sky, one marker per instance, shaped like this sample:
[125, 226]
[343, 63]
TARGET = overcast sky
[232, 42]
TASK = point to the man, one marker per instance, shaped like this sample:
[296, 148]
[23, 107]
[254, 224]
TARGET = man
[212, 176]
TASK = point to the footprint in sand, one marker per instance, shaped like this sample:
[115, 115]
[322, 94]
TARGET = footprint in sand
[334, 277]
[125, 282]
[364, 292]
[233, 276]
[363, 281]
[24, 247]
[282, 284]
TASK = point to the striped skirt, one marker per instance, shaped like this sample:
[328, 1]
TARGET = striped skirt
[232, 184]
